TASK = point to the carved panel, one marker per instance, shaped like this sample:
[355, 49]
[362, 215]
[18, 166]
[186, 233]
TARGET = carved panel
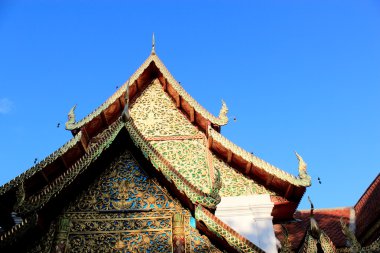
[189, 157]
[124, 210]
[155, 114]
[236, 184]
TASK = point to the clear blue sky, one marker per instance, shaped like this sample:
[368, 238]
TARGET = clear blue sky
[297, 75]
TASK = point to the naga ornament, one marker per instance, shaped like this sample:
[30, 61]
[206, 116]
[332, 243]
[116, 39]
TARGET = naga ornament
[223, 112]
[125, 115]
[71, 118]
[302, 169]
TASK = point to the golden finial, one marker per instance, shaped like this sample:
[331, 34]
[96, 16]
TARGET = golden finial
[153, 45]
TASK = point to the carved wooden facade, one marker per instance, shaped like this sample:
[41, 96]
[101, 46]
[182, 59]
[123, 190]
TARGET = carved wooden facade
[124, 210]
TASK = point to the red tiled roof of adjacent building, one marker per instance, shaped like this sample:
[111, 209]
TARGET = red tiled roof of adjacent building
[367, 210]
[328, 221]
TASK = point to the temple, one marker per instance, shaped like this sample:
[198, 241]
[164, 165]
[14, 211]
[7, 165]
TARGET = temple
[149, 171]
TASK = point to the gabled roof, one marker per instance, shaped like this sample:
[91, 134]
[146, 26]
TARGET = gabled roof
[36, 190]
[290, 187]
[176, 89]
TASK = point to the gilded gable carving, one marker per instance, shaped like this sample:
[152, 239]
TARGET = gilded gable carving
[125, 210]
[154, 114]
[236, 184]
[189, 157]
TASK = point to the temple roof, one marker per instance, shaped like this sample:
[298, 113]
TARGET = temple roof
[53, 178]
[284, 184]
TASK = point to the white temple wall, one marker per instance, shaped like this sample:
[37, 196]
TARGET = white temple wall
[251, 217]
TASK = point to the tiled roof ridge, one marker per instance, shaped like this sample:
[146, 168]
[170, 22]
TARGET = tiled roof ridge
[258, 162]
[221, 120]
[325, 209]
[367, 191]
[42, 164]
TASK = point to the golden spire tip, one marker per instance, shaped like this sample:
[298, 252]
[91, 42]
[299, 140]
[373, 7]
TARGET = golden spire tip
[153, 45]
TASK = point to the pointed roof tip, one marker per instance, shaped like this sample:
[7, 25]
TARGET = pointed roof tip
[153, 45]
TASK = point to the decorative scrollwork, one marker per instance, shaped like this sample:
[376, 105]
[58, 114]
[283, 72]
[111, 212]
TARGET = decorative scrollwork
[189, 158]
[236, 184]
[155, 114]
[124, 186]
[125, 210]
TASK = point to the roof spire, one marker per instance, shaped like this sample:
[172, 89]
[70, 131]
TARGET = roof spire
[153, 45]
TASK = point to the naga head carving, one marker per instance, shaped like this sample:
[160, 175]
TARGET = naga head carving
[71, 117]
[302, 170]
[20, 196]
[223, 112]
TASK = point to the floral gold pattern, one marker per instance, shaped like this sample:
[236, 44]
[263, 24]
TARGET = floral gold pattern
[236, 184]
[155, 114]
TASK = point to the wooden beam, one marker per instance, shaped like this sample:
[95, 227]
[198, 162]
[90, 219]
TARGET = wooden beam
[248, 168]
[229, 156]
[64, 162]
[84, 139]
[269, 180]
[289, 191]
[120, 99]
[178, 101]
[104, 118]
[209, 142]
[165, 85]
[192, 115]
[137, 86]
[44, 176]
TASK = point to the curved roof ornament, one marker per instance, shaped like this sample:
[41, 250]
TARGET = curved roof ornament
[314, 228]
[125, 114]
[302, 169]
[350, 235]
[153, 45]
[71, 118]
[223, 112]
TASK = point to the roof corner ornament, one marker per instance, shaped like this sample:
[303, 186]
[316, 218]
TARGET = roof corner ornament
[223, 112]
[71, 118]
[153, 45]
[350, 235]
[302, 169]
[286, 246]
[20, 196]
[314, 229]
[125, 114]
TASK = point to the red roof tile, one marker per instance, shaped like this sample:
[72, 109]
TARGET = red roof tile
[328, 220]
[368, 209]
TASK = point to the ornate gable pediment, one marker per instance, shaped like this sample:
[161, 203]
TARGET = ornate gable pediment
[124, 210]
